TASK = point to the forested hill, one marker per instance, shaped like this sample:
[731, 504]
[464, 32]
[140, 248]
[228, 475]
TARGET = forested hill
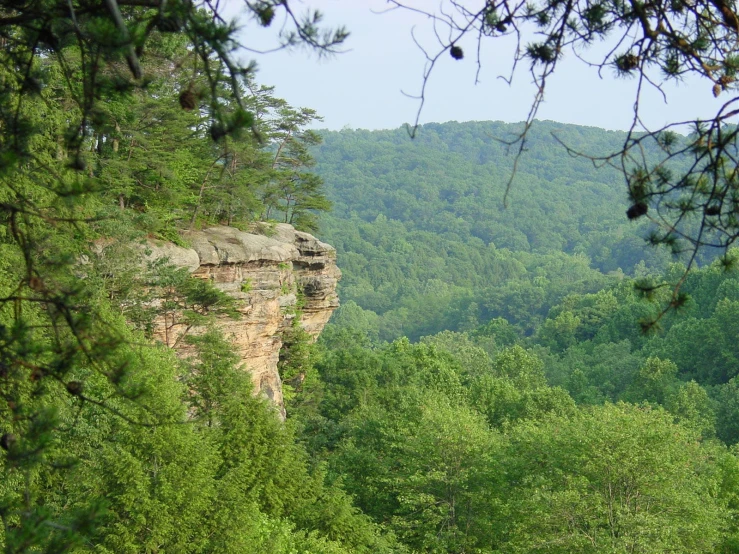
[451, 180]
[426, 243]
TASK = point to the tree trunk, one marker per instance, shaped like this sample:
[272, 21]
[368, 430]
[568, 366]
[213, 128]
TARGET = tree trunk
[115, 140]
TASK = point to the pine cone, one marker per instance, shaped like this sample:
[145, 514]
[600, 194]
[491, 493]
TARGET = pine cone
[7, 441]
[725, 81]
[713, 209]
[75, 388]
[218, 131]
[188, 100]
[637, 210]
[627, 62]
[169, 24]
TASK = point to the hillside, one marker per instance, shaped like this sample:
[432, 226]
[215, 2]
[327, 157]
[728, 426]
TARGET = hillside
[425, 240]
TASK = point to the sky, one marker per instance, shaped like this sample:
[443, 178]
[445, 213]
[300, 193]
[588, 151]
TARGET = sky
[367, 85]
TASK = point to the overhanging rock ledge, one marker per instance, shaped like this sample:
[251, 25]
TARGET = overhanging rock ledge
[265, 271]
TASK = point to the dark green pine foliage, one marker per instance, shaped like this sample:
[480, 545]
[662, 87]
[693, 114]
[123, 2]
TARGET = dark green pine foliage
[157, 163]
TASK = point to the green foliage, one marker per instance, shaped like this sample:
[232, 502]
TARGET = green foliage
[474, 260]
[195, 464]
[294, 190]
[516, 389]
[495, 433]
[693, 408]
[296, 365]
[652, 381]
[611, 478]
[166, 169]
[727, 398]
[433, 476]
[455, 451]
[98, 158]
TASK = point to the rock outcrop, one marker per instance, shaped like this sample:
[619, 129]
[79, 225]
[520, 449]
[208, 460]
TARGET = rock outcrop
[266, 271]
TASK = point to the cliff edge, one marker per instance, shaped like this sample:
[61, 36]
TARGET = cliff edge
[265, 271]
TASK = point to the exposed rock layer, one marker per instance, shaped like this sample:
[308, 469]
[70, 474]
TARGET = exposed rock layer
[265, 271]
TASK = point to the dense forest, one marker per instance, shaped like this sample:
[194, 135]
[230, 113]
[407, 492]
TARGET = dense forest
[528, 412]
[485, 387]
[425, 240]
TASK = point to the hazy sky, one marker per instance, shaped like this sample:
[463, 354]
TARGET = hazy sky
[363, 87]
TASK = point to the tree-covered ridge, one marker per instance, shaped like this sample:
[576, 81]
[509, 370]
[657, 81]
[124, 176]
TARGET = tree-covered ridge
[687, 186]
[547, 421]
[426, 242]
[581, 318]
[457, 172]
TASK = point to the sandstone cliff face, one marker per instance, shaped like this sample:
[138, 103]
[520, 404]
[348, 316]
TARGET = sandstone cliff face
[265, 272]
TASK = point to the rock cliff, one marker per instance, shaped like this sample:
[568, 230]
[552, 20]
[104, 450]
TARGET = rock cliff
[265, 270]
